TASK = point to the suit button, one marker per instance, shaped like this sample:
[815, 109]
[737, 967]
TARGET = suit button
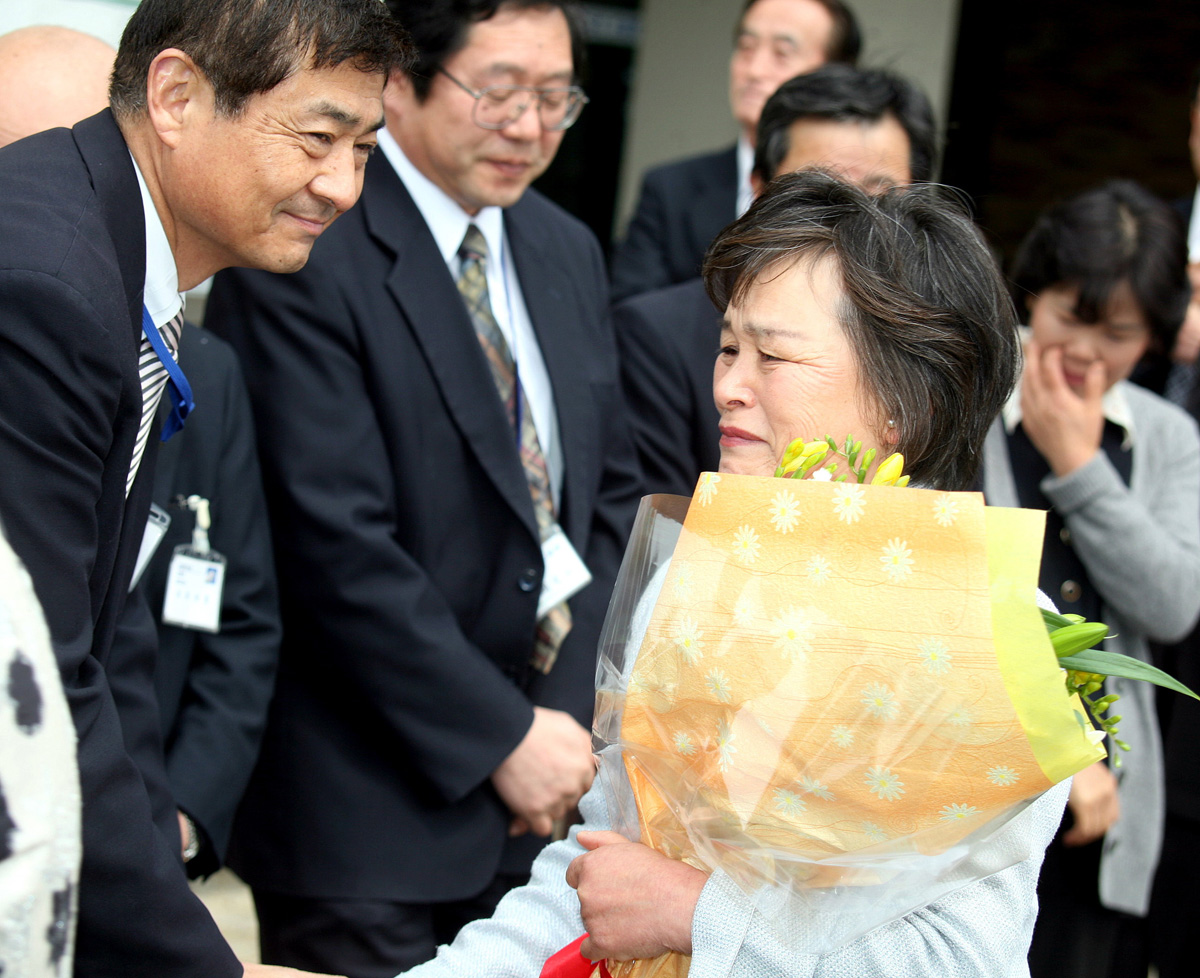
[1070, 591]
[528, 581]
[1065, 536]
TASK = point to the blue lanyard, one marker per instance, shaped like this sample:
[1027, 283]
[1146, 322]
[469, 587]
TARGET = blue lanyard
[182, 402]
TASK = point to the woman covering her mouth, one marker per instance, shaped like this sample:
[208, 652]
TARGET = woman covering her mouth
[1102, 277]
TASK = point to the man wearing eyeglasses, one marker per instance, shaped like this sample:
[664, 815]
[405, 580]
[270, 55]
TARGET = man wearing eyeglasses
[447, 461]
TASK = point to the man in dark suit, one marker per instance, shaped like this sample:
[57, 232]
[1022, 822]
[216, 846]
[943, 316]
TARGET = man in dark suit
[871, 127]
[236, 134]
[444, 360]
[213, 688]
[683, 205]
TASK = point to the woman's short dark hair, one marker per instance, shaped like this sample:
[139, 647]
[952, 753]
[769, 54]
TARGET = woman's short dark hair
[1117, 232]
[923, 304]
[841, 93]
[439, 30]
[845, 39]
[245, 47]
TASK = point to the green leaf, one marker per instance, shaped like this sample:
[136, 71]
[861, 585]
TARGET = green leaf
[1054, 620]
[1124, 667]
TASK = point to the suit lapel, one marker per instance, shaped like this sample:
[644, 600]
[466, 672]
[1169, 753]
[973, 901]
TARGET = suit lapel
[553, 305]
[434, 312]
[107, 157]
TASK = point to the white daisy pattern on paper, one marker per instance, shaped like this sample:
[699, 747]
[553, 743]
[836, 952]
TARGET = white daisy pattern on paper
[793, 634]
[842, 735]
[707, 487]
[683, 743]
[848, 502]
[945, 509]
[883, 783]
[897, 560]
[956, 812]
[814, 787]
[718, 685]
[960, 717]
[874, 832]
[683, 583]
[744, 611]
[788, 802]
[1002, 776]
[746, 545]
[818, 569]
[688, 640]
[935, 656]
[725, 746]
[880, 701]
[785, 512]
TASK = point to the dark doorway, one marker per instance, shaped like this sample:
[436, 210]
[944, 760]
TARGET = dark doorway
[583, 176]
[1051, 98]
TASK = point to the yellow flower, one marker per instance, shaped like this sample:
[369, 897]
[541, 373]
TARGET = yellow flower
[889, 470]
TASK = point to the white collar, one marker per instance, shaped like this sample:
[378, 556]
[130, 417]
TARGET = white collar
[161, 291]
[1114, 403]
[745, 164]
[447, 221]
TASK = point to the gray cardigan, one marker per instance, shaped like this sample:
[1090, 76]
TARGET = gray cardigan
[1141, 546]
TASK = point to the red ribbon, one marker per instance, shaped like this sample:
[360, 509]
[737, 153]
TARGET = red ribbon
[570, 963]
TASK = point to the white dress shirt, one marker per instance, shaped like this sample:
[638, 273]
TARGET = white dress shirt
[448, 223]
[745, 164]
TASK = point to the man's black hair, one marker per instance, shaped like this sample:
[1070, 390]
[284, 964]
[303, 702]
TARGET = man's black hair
[842, 93]
[439, 30]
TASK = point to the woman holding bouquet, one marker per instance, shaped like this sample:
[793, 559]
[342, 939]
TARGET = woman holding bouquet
[884, 318]
[1103, 279]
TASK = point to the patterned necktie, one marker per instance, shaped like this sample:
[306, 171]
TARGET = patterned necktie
[154, 379]
[472, 285]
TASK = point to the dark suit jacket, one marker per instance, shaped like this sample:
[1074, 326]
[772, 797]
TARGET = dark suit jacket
[213, 690]
[682, 207]
[406, 545]
[72, 265]
[668, 340]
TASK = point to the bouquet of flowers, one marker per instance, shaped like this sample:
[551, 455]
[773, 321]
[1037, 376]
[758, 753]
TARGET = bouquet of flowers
[836, 693]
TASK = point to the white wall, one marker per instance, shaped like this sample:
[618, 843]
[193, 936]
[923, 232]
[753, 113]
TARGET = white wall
[680, 99]
[104, 19]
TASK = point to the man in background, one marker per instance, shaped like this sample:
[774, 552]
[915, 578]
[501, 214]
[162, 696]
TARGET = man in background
[237, 134]
[445, 451]
[684, 204]
[870, 127]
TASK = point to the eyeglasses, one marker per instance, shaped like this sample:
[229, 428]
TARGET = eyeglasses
[499, 106]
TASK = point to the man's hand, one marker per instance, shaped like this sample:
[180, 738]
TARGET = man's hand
[635, 902]
[547, 774]
[1094, 804]
[1066, 427]
[275, 971]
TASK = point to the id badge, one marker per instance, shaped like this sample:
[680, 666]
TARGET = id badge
[156, 528]
[565, 572]
[194, 585]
